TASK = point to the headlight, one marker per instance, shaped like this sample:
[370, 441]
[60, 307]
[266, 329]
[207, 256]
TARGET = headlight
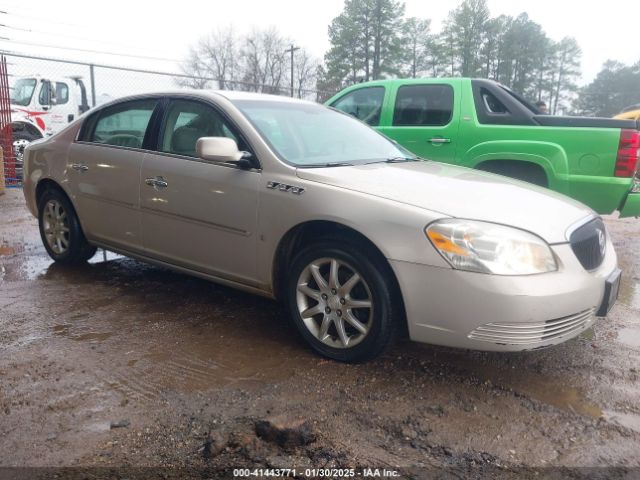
[490, 248]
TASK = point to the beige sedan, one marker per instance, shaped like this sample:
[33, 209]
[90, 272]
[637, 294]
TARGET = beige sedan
[293, 200]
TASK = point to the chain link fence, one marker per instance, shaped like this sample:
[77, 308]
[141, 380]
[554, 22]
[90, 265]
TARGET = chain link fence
[76, 87]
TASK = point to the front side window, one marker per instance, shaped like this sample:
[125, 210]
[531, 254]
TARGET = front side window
[187, 121]
[22, 91]
[423, 105]
[45, 93]
[62, 93]
[305, 134]
[365, 104]
[123, 125]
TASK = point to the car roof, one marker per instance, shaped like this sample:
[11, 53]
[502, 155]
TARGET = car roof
[230, 95]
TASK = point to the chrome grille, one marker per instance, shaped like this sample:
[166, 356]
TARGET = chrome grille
[528, 333]
[587, 242]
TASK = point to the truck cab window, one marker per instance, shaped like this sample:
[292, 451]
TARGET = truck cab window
[492, 104]
[423, 105]
[45, 94]
[62, 93]
[365, 104]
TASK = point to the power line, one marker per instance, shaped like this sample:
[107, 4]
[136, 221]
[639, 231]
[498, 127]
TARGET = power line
[56, 34]
[87, 50]
[43, 19]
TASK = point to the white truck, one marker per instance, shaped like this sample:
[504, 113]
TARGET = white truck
[41, 107]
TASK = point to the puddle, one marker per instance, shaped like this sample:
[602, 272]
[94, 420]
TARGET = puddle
[33, 267]
[546, 390]
[7, 250]
[25, 268]
[630, 293]
[65, 330]
[104, 256]
[629, 336]
[626, 420]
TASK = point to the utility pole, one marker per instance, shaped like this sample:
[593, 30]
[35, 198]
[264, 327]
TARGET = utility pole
[291, 50]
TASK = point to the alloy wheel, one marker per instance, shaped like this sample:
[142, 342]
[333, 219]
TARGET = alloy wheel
[335, 302]
[55, 224]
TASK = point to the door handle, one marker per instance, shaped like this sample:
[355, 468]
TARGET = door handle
[156, 182]
[79, 167]
[437, 140]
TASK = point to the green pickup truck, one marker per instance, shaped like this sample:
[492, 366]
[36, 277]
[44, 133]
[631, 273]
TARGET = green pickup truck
[484, 125]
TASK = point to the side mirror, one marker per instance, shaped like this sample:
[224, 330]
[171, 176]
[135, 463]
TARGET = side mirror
[218, 149]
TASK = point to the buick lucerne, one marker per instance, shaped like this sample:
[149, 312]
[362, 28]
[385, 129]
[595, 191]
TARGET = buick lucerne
[358, 238]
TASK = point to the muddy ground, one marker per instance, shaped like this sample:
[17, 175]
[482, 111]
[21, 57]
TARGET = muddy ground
[119, 364]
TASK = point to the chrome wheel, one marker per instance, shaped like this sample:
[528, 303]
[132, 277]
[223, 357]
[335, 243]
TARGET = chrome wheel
[55, 225]
[334, 302]
[18, 148]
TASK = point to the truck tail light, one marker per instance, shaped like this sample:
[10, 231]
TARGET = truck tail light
[628, 149]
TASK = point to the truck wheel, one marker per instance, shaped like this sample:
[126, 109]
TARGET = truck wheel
[341, 302]
[20, 142]
[60, 229]
[527, 172]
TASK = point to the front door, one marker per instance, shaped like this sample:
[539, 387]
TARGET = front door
[425, 120]
[103, 172]
[195, 213]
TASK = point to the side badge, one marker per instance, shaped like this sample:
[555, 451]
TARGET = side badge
[283, 187]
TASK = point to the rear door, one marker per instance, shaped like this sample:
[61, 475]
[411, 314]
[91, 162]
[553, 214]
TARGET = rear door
[199, 214]
[103, 172]
[425, 119]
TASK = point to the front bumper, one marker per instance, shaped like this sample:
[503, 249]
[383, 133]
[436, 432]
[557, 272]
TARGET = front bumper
[502, 313]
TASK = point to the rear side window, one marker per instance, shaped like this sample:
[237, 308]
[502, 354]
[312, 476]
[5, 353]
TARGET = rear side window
[423, 105]
[492, 104]
[122, 125]
[365, 104]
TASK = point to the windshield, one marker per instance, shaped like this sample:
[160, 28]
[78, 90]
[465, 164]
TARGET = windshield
[307, 135]
[22, 91]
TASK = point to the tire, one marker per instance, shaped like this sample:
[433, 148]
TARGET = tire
[377, 324]
[60, 229]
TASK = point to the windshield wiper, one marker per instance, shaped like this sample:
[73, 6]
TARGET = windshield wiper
[326, 165]
[401, 159]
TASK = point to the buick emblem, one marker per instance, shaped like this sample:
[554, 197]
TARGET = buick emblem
[602, 242]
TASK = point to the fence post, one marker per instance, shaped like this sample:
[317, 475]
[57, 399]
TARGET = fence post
[92, 76]
[1, 172]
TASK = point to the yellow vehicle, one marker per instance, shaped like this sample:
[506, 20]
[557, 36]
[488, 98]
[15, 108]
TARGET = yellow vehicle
[632, 112]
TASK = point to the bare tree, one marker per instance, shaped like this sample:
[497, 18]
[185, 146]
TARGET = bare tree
[194, 67]
[263, 60]
[255, 62]
[219, 53]
[305, 68]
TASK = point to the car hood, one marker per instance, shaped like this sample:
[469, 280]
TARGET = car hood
[460, 192]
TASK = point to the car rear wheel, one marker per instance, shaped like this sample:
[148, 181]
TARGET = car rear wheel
[60, 229]
[341, 302]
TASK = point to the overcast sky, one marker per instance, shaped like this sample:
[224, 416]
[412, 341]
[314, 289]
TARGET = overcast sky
[604, 30]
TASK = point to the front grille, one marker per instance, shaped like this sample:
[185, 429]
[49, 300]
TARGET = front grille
[588, 243]
[529, 333]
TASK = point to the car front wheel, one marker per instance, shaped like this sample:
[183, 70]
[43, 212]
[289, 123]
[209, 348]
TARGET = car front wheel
[341, 302]
[60, 229]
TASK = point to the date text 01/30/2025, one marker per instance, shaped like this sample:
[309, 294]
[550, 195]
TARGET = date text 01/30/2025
[315, 472]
